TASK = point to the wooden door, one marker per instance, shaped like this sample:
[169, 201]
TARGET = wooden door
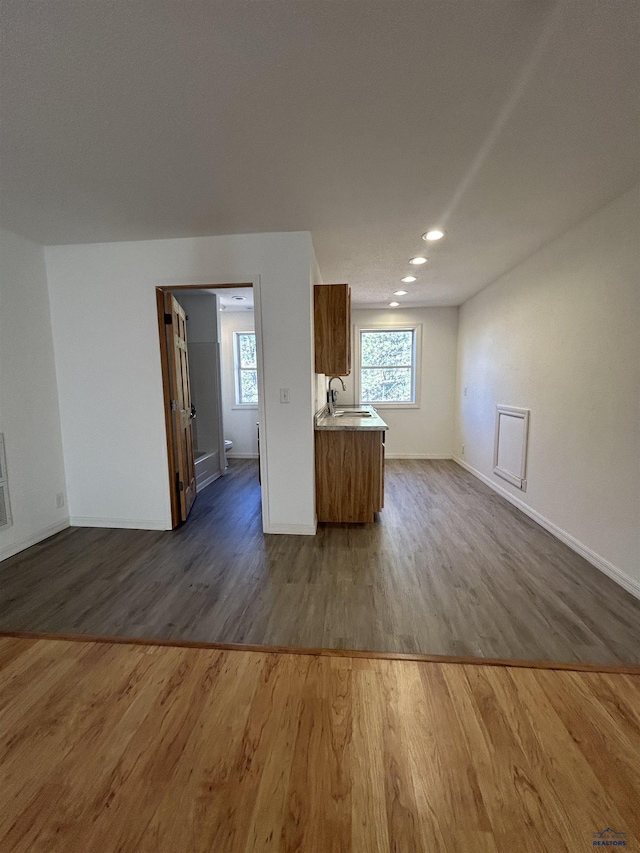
[181, 408]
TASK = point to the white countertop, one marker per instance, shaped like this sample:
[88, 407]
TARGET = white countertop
[351, 422]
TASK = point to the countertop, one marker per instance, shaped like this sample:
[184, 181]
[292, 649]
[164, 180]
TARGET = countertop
[329, 422]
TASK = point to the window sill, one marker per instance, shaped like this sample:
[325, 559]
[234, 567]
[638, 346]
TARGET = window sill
[245, 406]
[392, 405]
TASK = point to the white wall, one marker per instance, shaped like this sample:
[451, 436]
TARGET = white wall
[29, 415]
[559, 334]
[108, 365]
[425, 432]
[239, 422]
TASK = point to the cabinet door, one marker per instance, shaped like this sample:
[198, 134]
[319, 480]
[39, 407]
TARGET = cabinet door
[332, 323]
[347, 475]
[381, 503]
[349, 342]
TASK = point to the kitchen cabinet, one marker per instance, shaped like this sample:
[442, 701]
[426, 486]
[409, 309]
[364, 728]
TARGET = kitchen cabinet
[349, 475]
[349, 467]
[332, 323]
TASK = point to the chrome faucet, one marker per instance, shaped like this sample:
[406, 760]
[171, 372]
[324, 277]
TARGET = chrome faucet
[332, 395]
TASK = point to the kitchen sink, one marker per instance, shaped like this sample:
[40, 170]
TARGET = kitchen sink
[352, 413]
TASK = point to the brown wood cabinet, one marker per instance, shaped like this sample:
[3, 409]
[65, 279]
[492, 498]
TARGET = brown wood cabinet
[349, 475]
[332, 321]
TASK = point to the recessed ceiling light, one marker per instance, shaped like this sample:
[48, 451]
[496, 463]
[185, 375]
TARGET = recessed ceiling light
[409, 278]
[434, 234]
[418, 260]
[399, 292]
[394, 304]
[240, 298]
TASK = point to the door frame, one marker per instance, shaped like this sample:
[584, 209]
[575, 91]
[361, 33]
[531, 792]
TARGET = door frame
[227, 284]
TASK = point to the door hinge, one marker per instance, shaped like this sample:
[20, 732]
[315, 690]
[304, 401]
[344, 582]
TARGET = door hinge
[174, 405]
[180, 486]
[168, 319]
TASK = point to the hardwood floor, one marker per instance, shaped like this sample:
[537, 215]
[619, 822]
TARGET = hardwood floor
[449, 568]
[132, 748]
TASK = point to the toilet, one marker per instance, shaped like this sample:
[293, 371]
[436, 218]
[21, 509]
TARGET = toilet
[228, 446]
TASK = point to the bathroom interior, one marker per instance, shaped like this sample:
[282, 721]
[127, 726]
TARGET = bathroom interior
[222, 375]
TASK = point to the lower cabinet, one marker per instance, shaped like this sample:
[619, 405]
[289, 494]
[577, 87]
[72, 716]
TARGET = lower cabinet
[349, 475]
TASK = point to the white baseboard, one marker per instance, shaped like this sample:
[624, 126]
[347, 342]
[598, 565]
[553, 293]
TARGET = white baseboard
[118, 523]
[210, 479]
[418, 456]
[242, 455]
[28, 541]
[293, 529]
[596, 560]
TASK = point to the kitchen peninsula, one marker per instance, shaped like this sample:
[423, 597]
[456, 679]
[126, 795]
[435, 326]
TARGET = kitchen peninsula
[349, 451]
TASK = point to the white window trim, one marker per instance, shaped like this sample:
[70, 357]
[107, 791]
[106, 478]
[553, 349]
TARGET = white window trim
[237, 370]
[416, 328]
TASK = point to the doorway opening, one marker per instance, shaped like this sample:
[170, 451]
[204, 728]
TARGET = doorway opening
[210, 348]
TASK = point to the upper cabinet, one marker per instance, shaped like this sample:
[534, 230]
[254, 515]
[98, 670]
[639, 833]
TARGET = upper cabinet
[332, 318]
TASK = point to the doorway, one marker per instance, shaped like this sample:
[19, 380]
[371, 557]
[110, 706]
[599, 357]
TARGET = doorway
[212, 374]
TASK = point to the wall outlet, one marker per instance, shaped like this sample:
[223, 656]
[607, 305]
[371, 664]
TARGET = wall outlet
[59, 500]
[284, 395]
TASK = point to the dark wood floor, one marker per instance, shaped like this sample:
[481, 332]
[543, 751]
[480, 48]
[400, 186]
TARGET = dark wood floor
[449, 568]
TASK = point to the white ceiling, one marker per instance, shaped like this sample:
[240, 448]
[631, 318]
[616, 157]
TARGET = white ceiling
[234, 298]
[229, 298]
[363, 121]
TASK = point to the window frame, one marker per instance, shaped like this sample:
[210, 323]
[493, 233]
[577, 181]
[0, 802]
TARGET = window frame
[237, 371]
[416, 329]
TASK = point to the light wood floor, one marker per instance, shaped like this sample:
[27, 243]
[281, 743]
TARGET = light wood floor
[133, 748]
[449, 568]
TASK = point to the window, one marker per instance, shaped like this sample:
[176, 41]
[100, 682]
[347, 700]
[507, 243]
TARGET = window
[246, 368]
[388, 366]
